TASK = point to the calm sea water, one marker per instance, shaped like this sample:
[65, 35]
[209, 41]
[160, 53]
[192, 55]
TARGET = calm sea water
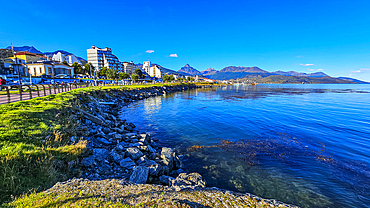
[307, 145]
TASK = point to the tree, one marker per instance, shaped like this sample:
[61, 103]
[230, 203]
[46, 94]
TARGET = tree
[77, 68]
[139, 73]
[171, 78]
[111, 73]
[89, 68]
[123, 75]
[103, 71]
[65, 62]
[165, 78]
[134, 77]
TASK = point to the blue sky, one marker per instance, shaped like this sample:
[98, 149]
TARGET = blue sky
[305, 36]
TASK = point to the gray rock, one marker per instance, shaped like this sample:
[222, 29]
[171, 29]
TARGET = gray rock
[102, 141]
[88, 161]
[167, 153]
[116, 156]
[185, 181]
[127, 163]
[134, 153]
[129, 128]
[132, 125]
[166, 180]
[140, 174]
[145, 139]
[155, 170]
[151, 149]
[106, 130]
[135, 144]
[93, 118]
[142, 160]
[100, 154]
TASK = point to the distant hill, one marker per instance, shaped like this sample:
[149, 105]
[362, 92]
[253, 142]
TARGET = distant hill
[281, 79]
[293, 73]
[170, 71]
[30, 49]
[253, 69]
[353, 80]
[189, 70]
[209, 71]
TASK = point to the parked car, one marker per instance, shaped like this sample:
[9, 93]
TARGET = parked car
[45, 76]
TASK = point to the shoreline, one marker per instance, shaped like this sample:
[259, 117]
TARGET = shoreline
[117, 152]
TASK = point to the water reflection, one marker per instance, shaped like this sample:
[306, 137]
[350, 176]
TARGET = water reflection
[153, 104]
[320, 158]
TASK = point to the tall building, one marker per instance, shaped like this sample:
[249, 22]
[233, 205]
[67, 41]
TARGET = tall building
[146, 66]
[129, 67]
[102, 57]
[155, 71]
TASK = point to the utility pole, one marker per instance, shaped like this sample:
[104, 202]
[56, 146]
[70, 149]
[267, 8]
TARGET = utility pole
[16, 62]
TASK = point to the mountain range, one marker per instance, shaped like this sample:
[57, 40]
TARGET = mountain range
[32, 49]
[257, 74]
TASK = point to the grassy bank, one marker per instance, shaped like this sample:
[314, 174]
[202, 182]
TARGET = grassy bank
[35, 149]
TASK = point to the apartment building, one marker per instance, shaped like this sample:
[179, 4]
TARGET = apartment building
[146, 66]
[102, 57]
[128, 67]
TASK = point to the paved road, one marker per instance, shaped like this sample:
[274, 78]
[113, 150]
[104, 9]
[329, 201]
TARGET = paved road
[26, 95]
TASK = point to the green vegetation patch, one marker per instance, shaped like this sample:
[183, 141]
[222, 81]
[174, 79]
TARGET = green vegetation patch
[35, 147]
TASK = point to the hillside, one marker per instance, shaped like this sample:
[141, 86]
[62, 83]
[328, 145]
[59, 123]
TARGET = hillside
[253, 69]
[281, 79]
[209, 71]
[293, 73]
[30, 49]
[353, 80]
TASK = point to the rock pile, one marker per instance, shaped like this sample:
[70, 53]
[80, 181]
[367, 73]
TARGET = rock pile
[117, 150]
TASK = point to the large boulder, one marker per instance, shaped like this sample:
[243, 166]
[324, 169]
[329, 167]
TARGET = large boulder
[127, 163]
[134, 153]
[139, 174]
[167, 155]
[186, 181]
[100, 154]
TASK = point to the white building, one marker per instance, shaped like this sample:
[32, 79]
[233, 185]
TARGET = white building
[146, 66]
[102, 57]
[49, 68]
[70, 59]
[128, 67]
[155, 71]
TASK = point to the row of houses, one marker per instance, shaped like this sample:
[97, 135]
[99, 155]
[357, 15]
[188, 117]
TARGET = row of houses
[60, 62]
[26, 63]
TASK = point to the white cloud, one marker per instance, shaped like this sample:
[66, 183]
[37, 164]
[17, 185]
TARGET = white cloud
[311, 69]
[173, 55]
[361, 70]
[306, 64]
[320, 70]
[149, 51]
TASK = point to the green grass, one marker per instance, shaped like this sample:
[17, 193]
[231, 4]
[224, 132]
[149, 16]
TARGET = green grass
[34, 136]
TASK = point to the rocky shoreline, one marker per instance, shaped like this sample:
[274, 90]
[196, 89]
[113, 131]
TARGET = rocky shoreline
[117, 152]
